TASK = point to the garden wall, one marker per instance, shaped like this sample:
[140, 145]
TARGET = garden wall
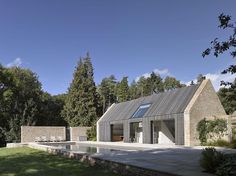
[32, 133]
[78, 133]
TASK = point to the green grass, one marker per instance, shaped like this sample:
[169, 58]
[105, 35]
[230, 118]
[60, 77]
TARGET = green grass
[30, 162]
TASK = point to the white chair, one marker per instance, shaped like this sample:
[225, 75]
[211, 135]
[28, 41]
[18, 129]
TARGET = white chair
[44, 138]
[59, 138]
[53, 138]
[37, 139]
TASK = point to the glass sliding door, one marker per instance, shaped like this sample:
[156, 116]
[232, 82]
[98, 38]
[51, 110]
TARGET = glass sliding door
[154, 132]
[136, 132]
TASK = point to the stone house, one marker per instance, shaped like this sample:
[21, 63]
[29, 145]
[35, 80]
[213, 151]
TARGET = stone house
[165, 118]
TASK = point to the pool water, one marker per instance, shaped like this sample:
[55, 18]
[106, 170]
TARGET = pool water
[84, 148]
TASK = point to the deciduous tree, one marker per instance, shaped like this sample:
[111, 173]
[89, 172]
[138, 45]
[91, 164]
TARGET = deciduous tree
[227, 96]
[220, 47]
[20, 100]
[171, 83]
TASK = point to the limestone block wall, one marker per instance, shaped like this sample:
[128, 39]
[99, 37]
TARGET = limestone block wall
[233, 119]
[78, 133]
[204, 103]
[29, 133]
[232, 126]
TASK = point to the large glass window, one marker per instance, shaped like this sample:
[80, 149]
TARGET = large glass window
[141, 111]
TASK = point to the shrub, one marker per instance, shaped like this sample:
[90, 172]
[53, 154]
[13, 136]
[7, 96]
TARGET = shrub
[233, 144]
[2, 137]
[211, 159]
[218, 163]
[92, 133]
[219, 143]
[223, 143]
[202, 130]
[234, 133]
[228, 167]
[211, 128]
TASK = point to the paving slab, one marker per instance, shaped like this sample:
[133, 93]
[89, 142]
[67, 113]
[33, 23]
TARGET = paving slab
[171, 159]
[159, 159]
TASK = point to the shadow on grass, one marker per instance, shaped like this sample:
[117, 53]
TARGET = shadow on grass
[30, 162]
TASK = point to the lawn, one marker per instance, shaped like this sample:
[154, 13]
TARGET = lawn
[30, 162]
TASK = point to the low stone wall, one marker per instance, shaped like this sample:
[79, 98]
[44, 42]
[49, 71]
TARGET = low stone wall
[16, 145]
[120, 168]
[31, 133]
[78, 133]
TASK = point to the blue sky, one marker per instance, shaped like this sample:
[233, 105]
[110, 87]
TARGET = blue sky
[124, 37]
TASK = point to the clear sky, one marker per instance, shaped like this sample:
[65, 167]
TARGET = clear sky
[124, 38]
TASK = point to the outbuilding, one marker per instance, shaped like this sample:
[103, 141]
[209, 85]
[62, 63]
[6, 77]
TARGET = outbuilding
[165, 118]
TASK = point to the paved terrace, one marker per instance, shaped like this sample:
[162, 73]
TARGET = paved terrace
[166, 159]
[177, 160]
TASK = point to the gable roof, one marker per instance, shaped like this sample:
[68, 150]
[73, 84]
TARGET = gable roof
[170, 102]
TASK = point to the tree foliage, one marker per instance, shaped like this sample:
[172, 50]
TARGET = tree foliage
[220, 47]
[50, 111]
[133, 91]
[107, 91]
[200, 78]
[20, 100]
[228, 98]
[122, 90]
[150, 85]
[80, 107]
[208, 129]
[112, 91]
[171, 83]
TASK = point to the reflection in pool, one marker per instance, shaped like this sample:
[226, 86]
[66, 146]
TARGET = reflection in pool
[84, 148]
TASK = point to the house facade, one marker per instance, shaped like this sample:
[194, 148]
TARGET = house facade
[165, 118]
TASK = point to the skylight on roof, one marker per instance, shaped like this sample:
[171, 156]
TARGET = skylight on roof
[141, 111]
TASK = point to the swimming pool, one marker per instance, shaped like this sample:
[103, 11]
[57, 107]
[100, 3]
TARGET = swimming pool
[89, 149]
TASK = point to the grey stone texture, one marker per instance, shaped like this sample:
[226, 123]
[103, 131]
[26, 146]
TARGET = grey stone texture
[233, 119]
[30, 133]
[205, 103]
[78, 133]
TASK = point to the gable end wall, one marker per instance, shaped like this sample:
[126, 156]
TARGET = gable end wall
[204, 103]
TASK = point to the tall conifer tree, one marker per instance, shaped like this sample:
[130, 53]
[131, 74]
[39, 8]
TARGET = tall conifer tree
[107, 92]
[123, 90]
[81, 103]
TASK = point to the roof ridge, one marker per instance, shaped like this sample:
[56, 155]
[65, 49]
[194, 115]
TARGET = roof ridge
[163, 104]
[159, 93]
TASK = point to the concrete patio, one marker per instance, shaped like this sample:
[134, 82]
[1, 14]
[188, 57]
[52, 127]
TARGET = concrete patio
[171, 159]
[140, 159]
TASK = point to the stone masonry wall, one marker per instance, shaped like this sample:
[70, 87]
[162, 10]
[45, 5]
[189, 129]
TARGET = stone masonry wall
[78, 133]
[30, 133]
[205, 104]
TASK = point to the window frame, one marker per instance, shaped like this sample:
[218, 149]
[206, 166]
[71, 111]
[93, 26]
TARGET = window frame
[142, 106]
